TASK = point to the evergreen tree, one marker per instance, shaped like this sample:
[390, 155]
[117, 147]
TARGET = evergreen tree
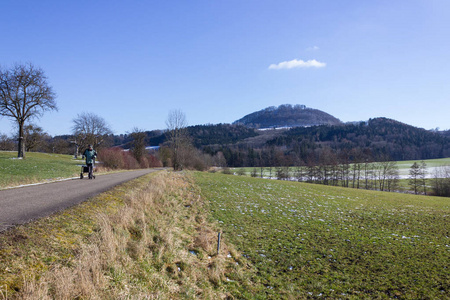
[423, 176]
[414, 177]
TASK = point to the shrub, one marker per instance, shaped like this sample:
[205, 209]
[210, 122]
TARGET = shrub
[241, 172]
[112, 158]
[129, 161]
[154, 162]
[199, 163]
[143, 162]
[116, 158]
[226, 171]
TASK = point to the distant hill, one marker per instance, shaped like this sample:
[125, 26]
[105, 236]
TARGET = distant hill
[380, 135]
[287, 115]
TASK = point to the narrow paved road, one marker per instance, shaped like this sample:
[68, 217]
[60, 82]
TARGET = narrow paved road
[22, 205]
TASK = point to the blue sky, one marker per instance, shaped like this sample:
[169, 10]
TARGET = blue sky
[131, 62]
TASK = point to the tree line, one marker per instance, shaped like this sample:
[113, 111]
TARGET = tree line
[380, 176]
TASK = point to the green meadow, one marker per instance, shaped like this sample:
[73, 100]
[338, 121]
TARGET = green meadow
[315, 241]
[37, 167]
[406, 164]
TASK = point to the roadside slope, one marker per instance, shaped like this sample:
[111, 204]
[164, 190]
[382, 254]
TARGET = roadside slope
[147, 238]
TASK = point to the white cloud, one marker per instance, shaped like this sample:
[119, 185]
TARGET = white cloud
[313, 48]
[297, 63]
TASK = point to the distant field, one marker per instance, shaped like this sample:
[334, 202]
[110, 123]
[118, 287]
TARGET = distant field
[403, 170]
[403, 167]
[430, 162]
[314, 241]
[36, 167]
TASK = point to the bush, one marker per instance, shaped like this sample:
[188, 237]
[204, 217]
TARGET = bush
[112, 158]
[116, 158]
[226, 171]
[130, 161]
[154, 162]
[241, 172]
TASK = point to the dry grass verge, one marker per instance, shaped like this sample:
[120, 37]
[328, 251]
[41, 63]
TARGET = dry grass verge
[146, 239]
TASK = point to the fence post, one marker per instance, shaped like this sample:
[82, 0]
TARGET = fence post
[218, 243]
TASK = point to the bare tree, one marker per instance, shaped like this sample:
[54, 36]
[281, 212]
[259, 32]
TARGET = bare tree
[34, 137]
[393, 177]
[441, 181]
[178, 138]
[6, 143]
[24, 94]
[386, 174]
[90, 129]
[299, 173]
[138, 143]
[219, 160]
[423, 176]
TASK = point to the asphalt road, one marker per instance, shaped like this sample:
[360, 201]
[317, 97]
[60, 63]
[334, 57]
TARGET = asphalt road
[23, 205]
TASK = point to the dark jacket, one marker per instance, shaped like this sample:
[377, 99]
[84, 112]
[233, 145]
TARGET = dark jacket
[89, 155]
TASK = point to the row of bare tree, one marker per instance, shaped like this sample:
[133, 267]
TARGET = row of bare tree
[383, 176]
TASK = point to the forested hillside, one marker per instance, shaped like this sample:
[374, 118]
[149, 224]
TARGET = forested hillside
[220, 134]
[376, 140]
[382, 136]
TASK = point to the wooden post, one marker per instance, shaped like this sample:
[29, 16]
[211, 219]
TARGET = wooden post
[218, 243]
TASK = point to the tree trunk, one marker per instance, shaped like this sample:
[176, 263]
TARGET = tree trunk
[21, 146]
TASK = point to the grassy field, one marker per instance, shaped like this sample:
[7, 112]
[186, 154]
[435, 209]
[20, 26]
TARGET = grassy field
[315, 241]
[37, 167]
[146, 239]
